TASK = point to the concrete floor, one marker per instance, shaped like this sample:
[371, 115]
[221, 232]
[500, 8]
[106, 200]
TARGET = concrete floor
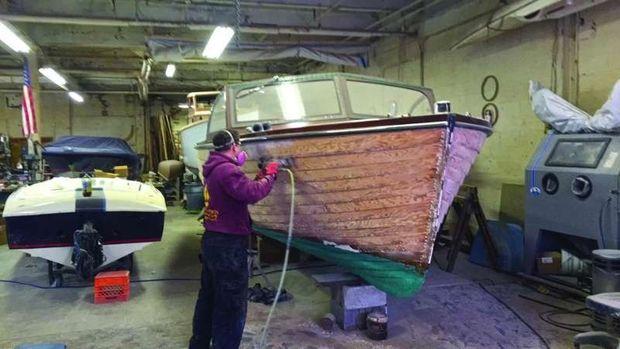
[451, 311]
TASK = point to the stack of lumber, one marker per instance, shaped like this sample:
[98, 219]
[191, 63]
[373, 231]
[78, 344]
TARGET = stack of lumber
[162, 143]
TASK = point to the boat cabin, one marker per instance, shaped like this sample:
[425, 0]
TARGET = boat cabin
[298, 101]
[200, 104]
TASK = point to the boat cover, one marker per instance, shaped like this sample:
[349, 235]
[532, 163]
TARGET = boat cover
[567, 118]
[85, 153]
[394, 278]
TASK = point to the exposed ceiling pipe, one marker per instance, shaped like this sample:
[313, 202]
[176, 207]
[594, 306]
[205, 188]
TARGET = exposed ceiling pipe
[100, 74]
[265, 44]
[14, 71]
[131, 70]
[282, 6]
[143, 79]
[327, 11]
[389, 16]
[123, 76]
[11, 79]
[252, 29]
[189, 66]
[398, 15]
[413, 13]
[394, 14]
[112, 92]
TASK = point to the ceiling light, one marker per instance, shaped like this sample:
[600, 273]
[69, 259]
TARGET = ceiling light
[183, 105]
[12, 40]
[76, 97]
[217, 42]
[53, 76]
[170, 70]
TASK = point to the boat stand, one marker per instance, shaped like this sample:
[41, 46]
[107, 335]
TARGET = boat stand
[351, 299]
[54, 274]
[466, 204]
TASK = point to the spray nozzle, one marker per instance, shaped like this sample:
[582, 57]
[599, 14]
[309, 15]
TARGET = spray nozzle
[286, 162]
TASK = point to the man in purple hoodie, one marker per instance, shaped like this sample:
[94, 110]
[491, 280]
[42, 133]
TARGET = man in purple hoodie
[219, 316]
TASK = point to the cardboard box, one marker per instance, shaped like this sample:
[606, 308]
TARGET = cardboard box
[549, 263]
[121, 171]
[103, 174]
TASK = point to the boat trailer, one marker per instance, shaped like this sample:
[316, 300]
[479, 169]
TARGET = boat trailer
[87, 257]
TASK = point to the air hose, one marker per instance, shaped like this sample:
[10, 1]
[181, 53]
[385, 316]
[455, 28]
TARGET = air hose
[263, 335]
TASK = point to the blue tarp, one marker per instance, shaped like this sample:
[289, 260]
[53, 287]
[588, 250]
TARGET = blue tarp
[84, 154]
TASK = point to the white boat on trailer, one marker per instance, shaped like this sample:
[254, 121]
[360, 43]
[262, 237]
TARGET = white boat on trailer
[85, 224]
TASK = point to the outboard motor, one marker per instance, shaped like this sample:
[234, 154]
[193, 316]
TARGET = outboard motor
[87, 253]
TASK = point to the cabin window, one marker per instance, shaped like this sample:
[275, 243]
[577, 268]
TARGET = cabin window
[385, 100]
[217, 121]
[287, 101]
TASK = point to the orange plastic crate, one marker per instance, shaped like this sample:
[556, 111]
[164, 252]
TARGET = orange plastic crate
[111, 286]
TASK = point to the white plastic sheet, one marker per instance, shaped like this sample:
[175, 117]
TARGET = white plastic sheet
[556, 111]
[607, 119]
[167, 50]
[566, 118]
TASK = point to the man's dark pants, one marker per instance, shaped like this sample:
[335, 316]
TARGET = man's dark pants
[221, 308]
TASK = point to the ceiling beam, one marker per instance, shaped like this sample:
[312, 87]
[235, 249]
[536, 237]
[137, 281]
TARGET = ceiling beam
[399, 16]
[124, 92]
[127, 41]
[278, 5]
[395, 14]
[155, 77]
[73, 64]
[83, 37]
[304, 65]
[253, 29]
[409, 15]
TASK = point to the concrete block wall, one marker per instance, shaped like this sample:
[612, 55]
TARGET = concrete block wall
[111, 115]
[514, 57]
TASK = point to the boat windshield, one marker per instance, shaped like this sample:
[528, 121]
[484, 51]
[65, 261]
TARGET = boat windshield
[382, 100]
[322, 100]
[217, 121]
[289, 101]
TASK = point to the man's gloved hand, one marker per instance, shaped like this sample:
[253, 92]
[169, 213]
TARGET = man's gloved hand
[272, 168]
[269, 169]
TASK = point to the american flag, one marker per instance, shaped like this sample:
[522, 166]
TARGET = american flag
[29, 122]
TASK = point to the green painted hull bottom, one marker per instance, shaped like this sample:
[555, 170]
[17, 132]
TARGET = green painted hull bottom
[395, 278]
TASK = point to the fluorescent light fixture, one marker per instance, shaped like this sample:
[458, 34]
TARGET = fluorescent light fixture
[218, 41]
[76, 97]
[183, 105]
[170, 70]
[53, 76]
[12, 40]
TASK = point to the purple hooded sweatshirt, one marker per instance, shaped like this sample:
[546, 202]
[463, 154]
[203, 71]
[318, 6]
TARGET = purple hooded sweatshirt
[228, 192]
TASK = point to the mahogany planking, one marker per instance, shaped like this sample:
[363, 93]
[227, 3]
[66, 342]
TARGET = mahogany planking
[398, 175]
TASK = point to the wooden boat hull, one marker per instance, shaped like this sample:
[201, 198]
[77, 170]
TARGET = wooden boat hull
[376, 190]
